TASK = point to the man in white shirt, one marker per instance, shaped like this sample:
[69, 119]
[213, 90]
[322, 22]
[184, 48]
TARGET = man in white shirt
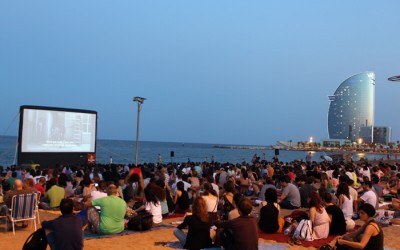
[369, 196]
[178, 179]
[186, 169]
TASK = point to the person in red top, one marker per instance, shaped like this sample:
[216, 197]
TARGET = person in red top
[41, 186]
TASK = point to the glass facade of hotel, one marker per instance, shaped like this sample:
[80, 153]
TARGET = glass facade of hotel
[352, 107]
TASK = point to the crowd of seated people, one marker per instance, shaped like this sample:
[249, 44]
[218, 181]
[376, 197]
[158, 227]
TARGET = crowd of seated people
[333, 193]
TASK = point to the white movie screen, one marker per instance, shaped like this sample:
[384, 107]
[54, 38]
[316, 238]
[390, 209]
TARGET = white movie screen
[58, 131]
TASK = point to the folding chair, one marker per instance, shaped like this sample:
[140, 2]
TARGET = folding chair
[4, 209]
[23, 208]
[6, 220]
[38, 194]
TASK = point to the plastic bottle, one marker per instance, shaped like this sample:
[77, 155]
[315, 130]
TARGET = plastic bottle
[288, 230]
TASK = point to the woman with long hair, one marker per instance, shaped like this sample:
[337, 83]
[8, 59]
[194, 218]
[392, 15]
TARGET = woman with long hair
[198, 236]
[211, 198]
[319, 217]
[326, 181]
[153, 195]
[346, 204]
[163, 197]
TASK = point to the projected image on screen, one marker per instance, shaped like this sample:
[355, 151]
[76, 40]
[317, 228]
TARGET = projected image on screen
[58, 131]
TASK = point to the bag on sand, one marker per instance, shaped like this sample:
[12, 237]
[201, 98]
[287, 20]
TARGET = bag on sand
[227, 240]
[304, 231]
[141, 222]
[36, 241]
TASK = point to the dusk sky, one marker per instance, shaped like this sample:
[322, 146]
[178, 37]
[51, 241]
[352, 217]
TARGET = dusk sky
[233, 72]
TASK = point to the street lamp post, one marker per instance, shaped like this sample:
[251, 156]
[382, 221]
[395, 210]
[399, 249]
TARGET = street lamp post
[140, 101]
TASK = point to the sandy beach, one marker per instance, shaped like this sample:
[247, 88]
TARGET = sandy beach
[147, 240]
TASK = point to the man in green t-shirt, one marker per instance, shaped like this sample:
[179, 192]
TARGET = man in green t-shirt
[55, 194]
[111, 218]
[11, 180]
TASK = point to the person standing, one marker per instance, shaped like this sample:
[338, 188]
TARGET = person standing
[309, 158]
[159, 159]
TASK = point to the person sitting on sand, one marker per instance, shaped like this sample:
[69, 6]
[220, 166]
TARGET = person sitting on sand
[234, 213]
[290, 198]
[244, 228]
[194, 180]
[338, 222]
[54, 195]
[154, 194]
[268, 183]
[368, 237]
[113, 209]
[227, 199]
[181, 199]
[346, 204]
[210, 197]
[65, 232]
[270, 222]
[198, 236]
[319, 217]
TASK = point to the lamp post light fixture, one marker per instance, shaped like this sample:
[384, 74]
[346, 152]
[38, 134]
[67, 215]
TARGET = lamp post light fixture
[140, 101]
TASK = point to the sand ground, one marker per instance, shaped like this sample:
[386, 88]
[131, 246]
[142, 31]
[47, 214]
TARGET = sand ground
[145, 240]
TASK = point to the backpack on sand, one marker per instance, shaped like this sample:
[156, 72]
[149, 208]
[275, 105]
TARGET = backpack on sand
[304, 231]
[36, 241]
[141, 222]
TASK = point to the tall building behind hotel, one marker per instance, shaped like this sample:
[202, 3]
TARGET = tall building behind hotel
[351, 109]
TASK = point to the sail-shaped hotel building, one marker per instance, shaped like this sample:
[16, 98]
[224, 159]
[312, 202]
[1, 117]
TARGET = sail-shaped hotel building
[351, 109]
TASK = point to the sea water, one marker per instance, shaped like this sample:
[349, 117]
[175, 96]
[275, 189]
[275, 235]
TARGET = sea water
[123, 151]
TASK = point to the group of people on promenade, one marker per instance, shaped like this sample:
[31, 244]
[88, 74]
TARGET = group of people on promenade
[223, 203]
